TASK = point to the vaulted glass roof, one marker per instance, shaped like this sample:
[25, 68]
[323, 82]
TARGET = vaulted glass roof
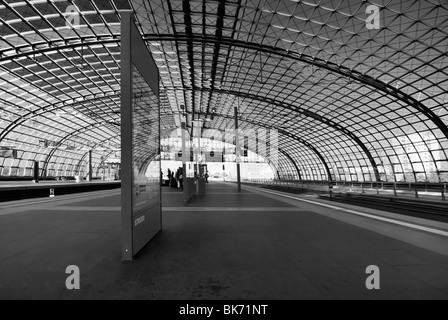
[349, 101]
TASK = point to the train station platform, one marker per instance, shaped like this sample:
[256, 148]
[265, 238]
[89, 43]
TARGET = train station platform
[257, 244]
[21, 190]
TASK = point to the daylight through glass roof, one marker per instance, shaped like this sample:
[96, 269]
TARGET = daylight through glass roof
[350, 102]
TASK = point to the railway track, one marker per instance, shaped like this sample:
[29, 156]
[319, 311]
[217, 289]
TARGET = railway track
[416, 208]
[411, 207]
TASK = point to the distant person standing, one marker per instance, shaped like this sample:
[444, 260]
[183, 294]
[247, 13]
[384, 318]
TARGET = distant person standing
[173, 181]
[181, 179]
[178, 178]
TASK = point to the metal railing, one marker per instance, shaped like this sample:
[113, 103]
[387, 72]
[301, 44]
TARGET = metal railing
[434, 191]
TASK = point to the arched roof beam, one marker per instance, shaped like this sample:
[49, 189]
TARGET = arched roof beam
[307, 113]
[293, 163]
[288, 134]
[54, 107]
[324, 64]
[286, 154]
[332, 67]
[67, 137]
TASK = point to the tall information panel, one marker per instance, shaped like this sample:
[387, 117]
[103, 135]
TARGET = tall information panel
[140, 142]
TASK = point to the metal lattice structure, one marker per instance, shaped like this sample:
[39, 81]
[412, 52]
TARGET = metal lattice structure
[349, 102]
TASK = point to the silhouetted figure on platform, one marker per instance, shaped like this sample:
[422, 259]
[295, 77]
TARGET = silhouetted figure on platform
[181, 179]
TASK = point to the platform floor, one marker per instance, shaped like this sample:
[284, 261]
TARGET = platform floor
[224, 245]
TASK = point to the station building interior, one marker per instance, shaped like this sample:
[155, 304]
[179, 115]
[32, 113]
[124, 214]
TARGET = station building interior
[357, 109]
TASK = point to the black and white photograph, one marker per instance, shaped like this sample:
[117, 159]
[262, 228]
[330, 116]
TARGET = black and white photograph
[224, 159]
